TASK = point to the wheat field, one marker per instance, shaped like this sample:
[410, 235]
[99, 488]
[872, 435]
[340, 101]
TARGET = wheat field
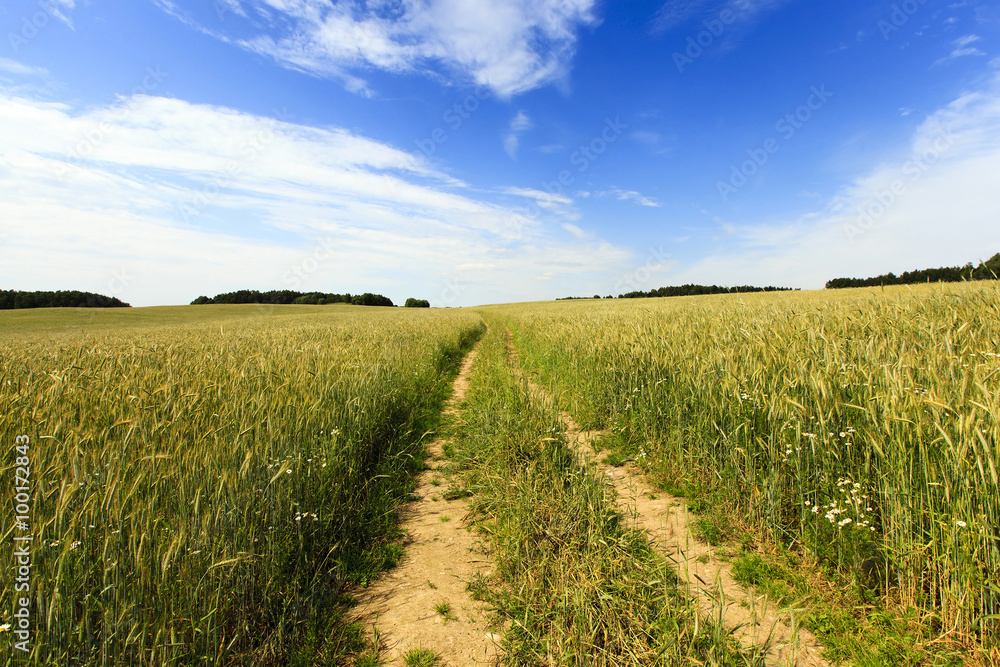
[205, 483]
[860, 426]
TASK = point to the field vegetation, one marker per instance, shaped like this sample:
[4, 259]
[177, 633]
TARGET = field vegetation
[858, 428]
[207, 484]
[573, 583]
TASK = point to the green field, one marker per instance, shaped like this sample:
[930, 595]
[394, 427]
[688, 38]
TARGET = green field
[209, 483]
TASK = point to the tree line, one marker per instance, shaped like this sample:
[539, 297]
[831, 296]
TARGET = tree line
[286, 297]
[685, 290]
[988, 270]
[14, 299]
[698, 290]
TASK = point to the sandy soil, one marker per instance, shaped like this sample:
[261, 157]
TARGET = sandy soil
[753, 619]
[441, 556]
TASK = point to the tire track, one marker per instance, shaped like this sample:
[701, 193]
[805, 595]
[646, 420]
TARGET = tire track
[754, 620]
[440, 557]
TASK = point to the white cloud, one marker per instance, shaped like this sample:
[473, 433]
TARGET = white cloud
[933, 205]
[510, 47]
[20, 69]
[545, 202]
[675, 13]
[539, 195]
[157, 200]
[518, 125]
[961, 49]
[55, 9]
[629, 195]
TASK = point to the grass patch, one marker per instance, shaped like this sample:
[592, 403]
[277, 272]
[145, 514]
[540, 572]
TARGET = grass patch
[616, 459]
[858, 425]
[444, 610]
[456, 493]
[421, 657]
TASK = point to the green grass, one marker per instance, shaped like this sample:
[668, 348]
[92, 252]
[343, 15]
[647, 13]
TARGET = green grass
[852, 630]
[444, 610]
[421, 657]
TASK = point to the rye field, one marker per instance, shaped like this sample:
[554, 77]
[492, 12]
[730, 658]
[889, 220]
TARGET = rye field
[210, 484]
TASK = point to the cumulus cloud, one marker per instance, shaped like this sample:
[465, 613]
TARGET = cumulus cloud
[509, 47]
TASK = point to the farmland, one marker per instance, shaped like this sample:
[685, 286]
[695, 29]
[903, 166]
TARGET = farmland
[859, 428]
[206, 482]
[210, 483]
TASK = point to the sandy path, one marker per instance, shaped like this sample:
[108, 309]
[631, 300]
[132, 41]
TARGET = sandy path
[753, 619]
[440, 557]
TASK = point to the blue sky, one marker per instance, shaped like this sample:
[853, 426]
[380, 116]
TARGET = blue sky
[491, 151]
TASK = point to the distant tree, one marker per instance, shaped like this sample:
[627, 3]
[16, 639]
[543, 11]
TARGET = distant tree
[313, 298]
[417, 303]
[13, 299]
[988, 270]
[274, 297]
[696, 290]
[369, 299]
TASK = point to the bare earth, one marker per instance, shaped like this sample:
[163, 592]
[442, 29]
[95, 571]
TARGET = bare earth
[754, 620]
[441, 556]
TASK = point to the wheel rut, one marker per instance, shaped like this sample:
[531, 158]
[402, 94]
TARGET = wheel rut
[404, 607]
[753, 620]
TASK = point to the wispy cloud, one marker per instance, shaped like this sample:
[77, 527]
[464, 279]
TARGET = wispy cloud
[629, 195]
[20, 69]
[191, 199]
[58, 9]
[932, 204]
[509, 47]
[675, 14]
[518, 125]
[961, 49]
